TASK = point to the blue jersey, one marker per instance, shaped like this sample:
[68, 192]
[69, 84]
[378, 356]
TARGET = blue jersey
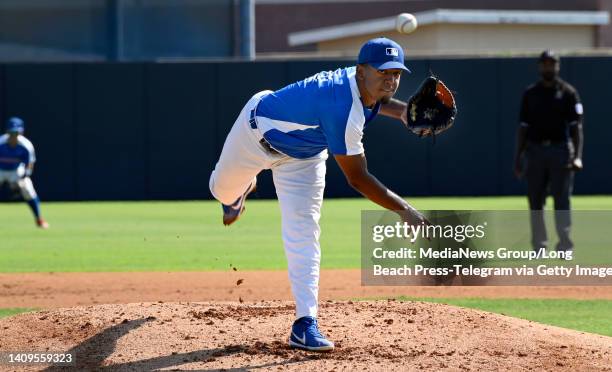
[321, 112]
[12, 157]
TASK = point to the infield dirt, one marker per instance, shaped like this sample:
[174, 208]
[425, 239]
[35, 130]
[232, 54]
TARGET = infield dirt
[373, 335]
[49, 290]
[155, 321]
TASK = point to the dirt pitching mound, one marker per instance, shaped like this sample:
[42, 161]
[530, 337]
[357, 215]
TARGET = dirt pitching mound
[371, 335]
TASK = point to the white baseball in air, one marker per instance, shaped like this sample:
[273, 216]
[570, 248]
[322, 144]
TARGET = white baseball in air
[405, 23]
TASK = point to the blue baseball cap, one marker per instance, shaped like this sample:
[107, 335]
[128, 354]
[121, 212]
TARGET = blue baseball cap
[15, 125]
[382, 54]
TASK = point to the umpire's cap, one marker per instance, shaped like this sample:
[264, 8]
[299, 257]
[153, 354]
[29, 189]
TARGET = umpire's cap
[15, 125]
[549, 55]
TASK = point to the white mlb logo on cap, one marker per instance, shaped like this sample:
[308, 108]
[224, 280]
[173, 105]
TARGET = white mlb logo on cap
[392, 52]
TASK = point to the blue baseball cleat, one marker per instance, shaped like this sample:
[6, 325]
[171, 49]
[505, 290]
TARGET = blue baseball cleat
[232, 212]
[305, 335]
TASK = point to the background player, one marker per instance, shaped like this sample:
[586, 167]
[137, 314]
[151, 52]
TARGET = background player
[17, 160]
[289, 131]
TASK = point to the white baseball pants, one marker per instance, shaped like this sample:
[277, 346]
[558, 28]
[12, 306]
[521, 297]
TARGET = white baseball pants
[15, 180]
[299, 186]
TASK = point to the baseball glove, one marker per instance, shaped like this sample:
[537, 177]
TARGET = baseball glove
[432, 109]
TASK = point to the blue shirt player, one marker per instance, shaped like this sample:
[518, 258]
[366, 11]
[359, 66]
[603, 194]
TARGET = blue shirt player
[291, 131]
[17, 160]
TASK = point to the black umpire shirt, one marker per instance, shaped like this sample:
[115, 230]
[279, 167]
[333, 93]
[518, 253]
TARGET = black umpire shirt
[548, 112]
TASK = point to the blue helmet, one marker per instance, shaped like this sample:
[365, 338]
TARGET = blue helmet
[15, 125]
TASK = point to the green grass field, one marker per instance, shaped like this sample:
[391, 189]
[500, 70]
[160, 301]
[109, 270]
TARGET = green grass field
[593, 316]
[13, 311]
[187, 236]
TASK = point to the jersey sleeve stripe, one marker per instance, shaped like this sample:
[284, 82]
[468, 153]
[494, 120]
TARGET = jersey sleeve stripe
[354, 131]
[354, 127]
[28, 146]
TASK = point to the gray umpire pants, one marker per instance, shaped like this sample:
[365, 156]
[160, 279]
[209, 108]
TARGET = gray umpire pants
[548, 171]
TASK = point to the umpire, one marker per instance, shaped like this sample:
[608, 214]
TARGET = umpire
[550, 138]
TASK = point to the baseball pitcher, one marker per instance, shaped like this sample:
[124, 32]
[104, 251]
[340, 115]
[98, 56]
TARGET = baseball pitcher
[290, 131]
